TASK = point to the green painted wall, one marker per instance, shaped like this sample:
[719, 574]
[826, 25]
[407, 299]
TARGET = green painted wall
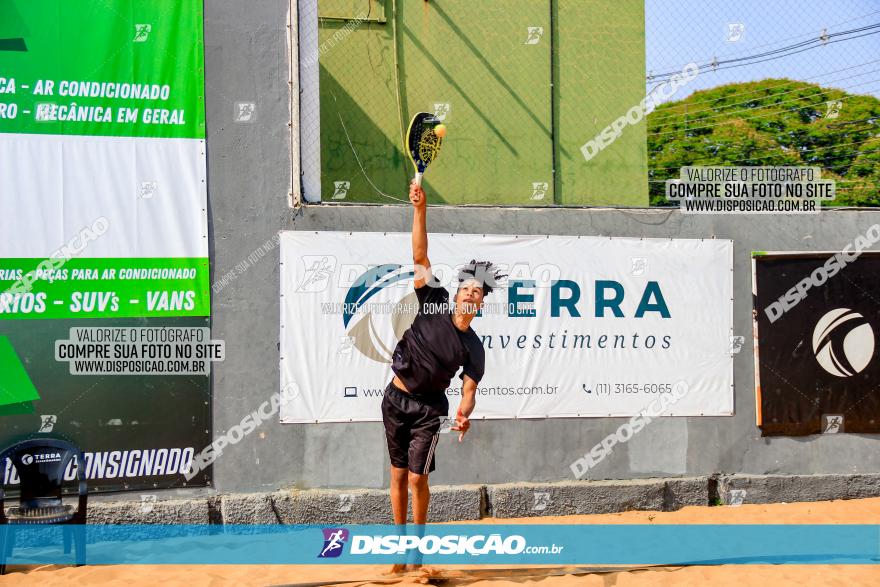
[600, 71]
[492, 62]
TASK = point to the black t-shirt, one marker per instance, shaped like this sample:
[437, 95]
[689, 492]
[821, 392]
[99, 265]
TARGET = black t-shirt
[432, 349]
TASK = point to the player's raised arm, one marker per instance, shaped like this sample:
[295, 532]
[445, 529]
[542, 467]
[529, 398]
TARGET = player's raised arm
[419, 235]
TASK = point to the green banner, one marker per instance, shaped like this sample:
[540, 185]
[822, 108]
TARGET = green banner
[102, 68]
[103, 288]
[103, 208]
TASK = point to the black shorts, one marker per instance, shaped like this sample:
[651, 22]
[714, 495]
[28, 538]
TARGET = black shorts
[412, 429]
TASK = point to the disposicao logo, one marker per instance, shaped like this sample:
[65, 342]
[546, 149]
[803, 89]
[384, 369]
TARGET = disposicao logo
[475, 545]
[334, 541]
[376, 327]
[448, 544]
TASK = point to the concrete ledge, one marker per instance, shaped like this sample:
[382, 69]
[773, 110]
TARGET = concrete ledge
[319, 506]
[128, 511]
[595, 497]
[519, 500]
[457, 502]
[248, 508]
[172, 511]
[686, 491]
[791, 488]
[473, 502]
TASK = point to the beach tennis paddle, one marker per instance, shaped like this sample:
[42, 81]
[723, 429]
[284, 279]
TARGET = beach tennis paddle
[423, 142]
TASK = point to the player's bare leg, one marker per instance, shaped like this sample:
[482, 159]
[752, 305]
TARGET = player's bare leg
[421, 496]
[399, 500]
[399, 494]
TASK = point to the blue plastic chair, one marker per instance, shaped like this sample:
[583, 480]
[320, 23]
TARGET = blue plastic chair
[40, 463]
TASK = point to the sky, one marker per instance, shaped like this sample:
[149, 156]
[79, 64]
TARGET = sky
[679, 32]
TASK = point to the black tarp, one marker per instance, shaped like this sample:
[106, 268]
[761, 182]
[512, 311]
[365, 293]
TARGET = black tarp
[818, 359]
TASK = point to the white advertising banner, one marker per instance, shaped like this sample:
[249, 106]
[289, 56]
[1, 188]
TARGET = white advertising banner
[581, 327]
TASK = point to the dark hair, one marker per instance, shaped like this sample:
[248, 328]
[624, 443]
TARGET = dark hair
[484, 272]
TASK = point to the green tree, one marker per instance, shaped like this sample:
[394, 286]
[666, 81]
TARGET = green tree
[771, 122]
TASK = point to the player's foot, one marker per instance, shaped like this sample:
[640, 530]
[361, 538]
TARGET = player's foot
[424, 571]
[397, 569]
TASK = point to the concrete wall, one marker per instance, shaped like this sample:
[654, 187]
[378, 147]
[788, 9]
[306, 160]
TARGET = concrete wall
[249, 168]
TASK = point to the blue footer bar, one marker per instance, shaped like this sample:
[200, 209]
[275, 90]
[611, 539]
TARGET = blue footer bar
[456, 544]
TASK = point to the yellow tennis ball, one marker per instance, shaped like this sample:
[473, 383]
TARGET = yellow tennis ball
[440, 130]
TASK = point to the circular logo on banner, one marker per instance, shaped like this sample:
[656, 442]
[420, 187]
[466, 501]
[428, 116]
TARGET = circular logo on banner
[843, 342]
[379, 308]
[27, 459]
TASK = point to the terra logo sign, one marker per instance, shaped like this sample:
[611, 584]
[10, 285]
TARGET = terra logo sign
[375, 327]
[49, 457]
[334, 541]
[380, 305]
[843, 342]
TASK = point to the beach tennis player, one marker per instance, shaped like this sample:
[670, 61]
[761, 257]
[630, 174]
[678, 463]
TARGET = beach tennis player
[430, 353]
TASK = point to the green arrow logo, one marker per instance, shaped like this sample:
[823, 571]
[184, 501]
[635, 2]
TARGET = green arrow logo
[16, 388]
[12, 27]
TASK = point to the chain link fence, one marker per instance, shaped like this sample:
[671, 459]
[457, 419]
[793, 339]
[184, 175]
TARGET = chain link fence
[550, 102]
[518, 83]
[779, 83]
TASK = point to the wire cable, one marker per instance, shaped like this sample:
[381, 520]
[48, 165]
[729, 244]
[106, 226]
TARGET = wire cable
[364, 171]
[824, 41]
[682, 103]
[801, 36]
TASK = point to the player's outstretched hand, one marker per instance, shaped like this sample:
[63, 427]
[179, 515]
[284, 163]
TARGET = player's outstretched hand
[462, 424]
[417, 195]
